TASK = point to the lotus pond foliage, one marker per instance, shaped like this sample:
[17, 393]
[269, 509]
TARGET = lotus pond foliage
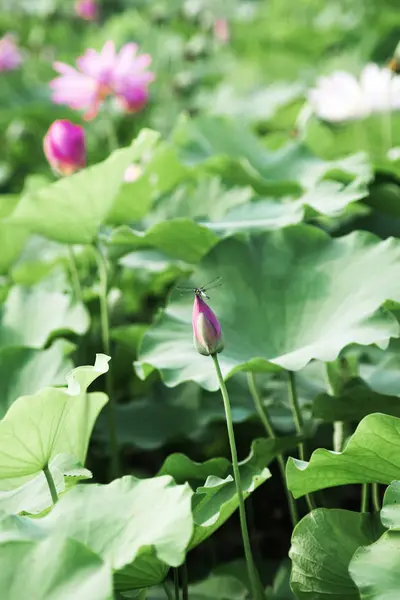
[199, 300]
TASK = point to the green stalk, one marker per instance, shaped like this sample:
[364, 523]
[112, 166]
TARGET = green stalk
[176, 584]
[253, 576]
[112, 139]
[51, 484]
[167, 591]
[299, 424]
[105, 335]
[74, 274]
[375, 497]
[266, 421]
[184, 581]
[364, 498]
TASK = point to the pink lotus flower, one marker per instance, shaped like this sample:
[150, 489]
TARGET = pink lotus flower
[101, 74]
[87, 9]
[10, 55]
[207, 334]
[130, 78]
[65, 147]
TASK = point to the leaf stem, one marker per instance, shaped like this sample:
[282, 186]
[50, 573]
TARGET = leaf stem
[299, 424]
[76, 285]
[375, 497]
[167, 591]
[50, 483]
[176, 583]
[364, 498]
[266, 421]
[253, 578]
[184, 582]
[105, 335]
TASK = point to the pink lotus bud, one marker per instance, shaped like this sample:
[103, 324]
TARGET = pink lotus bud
[207, 334]
[10, 55]
[65, 147]
[87, 9]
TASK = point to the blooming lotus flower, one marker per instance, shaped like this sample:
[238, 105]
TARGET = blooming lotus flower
[10, 55]
[87, 9]
[65, 147]
[130, 78]
[342, 97]
[101, 74]
[207, 334]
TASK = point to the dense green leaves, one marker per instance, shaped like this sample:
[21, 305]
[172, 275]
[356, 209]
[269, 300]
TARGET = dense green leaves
[375, 568]
[278, 304]
[323, 544]
[54, 569]
[371, 455]
[54, 420]
[215, 500]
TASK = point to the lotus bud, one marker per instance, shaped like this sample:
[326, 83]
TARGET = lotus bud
[207, 334]
[65, 147]
[87, 9]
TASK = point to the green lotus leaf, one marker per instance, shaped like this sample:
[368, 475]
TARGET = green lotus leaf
[375, 568]
[54, 568]
[158, 171]
[182, 238]
[30, 315]
[372, 454]
[278, 305]
[26, 370]
[229, 149]
[138, 526]
[34, 496]
[355, 402]
[323, 544]
[12, 237]
[53, 421]
[216, 499]
[72, 209]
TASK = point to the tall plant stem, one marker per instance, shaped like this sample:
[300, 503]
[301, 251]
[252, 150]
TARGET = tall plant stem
[112, 139]
[266, 421]
[299, 424]
[76, 285]
[167, 591]
[105, 335]
[176, 584]
[364, 498]
[253, 576]
[375, 497]
[51, 484]
[184, 582]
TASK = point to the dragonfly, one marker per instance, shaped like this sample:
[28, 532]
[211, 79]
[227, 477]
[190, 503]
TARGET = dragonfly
[201, 291]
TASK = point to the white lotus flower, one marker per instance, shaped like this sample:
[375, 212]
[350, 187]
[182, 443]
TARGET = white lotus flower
[342, 97]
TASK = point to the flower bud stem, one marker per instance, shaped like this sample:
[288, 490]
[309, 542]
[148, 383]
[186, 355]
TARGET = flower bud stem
[253, 575]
